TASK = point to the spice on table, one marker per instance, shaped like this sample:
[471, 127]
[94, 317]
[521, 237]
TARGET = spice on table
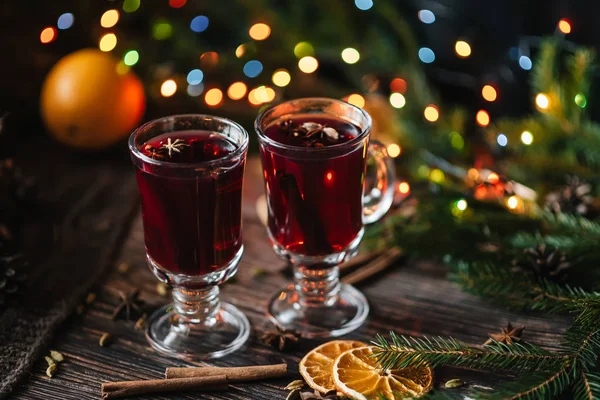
[51, 370]
[234, 374]
[105, 339]
[142, 322]
[454, 383]
[294, 385]
[280, 338]
[507, 335]
[258, 272]
[129, 303]
[316, 395]
[49, 360]
[114, 390]
[89, 299]
[56, 356]
[373, 267]
[162, 289]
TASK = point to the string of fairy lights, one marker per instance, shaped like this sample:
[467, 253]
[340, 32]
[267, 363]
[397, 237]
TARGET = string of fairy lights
[308, 64]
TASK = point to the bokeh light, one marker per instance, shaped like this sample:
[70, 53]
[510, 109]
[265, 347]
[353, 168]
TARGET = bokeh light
[281, 78]
[303, 49]
[177, 3]
[259, 31]
[195, 90]
[542, 101]
[397, 100]
[195, 76]
[456, 140]
[502, 139]
[237, 90]
[261, 95]
[130, 6]
[199, 23]
[564, 26]
[253, 68]
[512, 202]
[357, 100]
[493, 178]
[398, 85]
[168, 88]
[525, 63]
[426, 55]
[240, 50]
[489, 93]
[394, 150]
[131, 58]
[213, 97]
[109, 18]
[363, 4]
[426, 16]
[431, 113]
[526, 138]
[308, 64]
[108, 42]
[122, 68]
[47, 35]
[404, 187]
[162, 30]
[462, 204]
[65, 21]
[482, 118]
[209, 59]
[350, 55]
[437, 175]
[462, 48]
[580, 100]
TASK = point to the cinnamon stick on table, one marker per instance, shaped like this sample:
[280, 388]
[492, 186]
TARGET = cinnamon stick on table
[113, 390]
[233, 374]
[377, 265]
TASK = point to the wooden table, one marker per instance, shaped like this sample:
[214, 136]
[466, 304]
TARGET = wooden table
[413, 299]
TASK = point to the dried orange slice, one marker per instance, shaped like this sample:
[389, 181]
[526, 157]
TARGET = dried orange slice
[317, 366]
[355, 374]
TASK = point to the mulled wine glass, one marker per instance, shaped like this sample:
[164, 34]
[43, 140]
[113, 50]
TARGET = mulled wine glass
[189, 171]
[314, 155]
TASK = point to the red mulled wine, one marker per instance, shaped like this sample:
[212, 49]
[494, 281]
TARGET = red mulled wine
[192, 225]
[315, 203]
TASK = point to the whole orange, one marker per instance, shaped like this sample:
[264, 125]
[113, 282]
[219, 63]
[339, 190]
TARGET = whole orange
[89, 102]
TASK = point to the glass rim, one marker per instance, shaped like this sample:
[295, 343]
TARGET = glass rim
[262, 136]
[238, 151]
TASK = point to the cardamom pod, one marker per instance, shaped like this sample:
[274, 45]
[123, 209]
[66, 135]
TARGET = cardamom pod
[105, 339]
[259, 272]
[295, 385]
[56, 356]
[453, 383]
[49, 360]
[51, 370]
[293, 395]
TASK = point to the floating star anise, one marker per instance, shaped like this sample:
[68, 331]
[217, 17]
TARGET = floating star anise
[279, 338]
[508, 335]
[154, 153]
[312, 133]
[129, 304]
[173, 146]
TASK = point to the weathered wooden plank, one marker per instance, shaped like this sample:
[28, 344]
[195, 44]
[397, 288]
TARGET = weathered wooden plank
[412, 299]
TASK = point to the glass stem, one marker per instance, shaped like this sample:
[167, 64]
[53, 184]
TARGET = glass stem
[197, 305]
[316, 287]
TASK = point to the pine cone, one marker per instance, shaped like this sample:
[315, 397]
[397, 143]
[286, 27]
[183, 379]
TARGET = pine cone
[12, 277]
[574, 198]
[544, 262]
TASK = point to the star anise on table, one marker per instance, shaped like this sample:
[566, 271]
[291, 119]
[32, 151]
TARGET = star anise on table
[331, 395]
[128, 305]
[508, 335]
[173, 146]
[280, 338]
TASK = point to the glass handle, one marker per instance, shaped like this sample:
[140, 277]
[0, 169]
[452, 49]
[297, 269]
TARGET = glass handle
[378, 189]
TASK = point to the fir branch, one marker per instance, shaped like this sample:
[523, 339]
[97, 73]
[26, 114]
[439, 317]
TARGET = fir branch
[536, 386]
[571, 224]
[586, 387]
[404, 351]
[583, 343]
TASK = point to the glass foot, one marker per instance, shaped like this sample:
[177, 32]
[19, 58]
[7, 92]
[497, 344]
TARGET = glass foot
[345, 314]
[175, 336]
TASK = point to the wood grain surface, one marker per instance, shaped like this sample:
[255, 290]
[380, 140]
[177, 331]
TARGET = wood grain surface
[413, 299]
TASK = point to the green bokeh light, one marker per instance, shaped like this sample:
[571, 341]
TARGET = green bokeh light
[580, 100]
[130, 6]
[303, 49]
[456, 140]
[131, 58]
[162, 30]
